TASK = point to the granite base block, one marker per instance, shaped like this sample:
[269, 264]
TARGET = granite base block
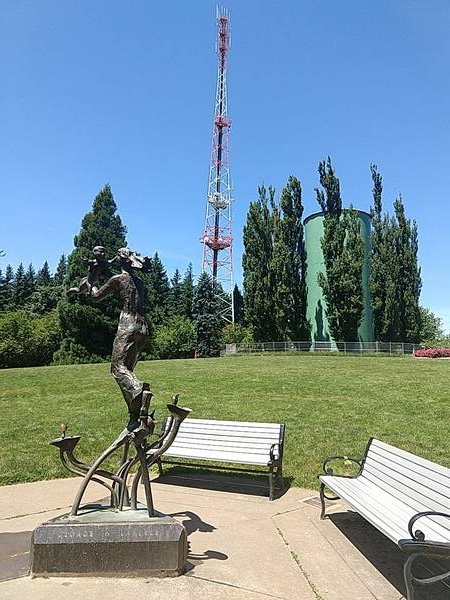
[101, 542]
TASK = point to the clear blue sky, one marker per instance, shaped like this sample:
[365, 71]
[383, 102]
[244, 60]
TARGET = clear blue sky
[118, 92]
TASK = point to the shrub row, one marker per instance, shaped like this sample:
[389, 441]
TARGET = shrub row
[433, 353]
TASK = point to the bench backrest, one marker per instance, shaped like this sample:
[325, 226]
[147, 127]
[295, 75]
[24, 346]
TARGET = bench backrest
[227, 441]
[418, 483]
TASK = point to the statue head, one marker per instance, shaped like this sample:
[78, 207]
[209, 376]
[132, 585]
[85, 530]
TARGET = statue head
[98, 251]
[130, 259]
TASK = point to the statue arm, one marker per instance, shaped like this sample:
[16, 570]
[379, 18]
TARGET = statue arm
[110, 287]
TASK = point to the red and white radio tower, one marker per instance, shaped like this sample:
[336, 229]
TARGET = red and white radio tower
[217, 238]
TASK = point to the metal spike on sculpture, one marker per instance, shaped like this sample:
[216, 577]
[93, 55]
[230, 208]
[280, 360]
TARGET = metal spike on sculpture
[217, 237]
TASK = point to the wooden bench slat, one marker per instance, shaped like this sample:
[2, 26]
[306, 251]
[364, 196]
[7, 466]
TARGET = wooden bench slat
[418, 460]
[423, 467]
[187, 438]
[190, 422]
[231, 457]
[403, 488]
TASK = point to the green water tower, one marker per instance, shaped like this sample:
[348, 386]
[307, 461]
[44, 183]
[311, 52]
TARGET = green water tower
[315, 263]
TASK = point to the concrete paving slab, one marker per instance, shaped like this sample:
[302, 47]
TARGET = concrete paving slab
[241, 546]
[183, 588]
[330, 560]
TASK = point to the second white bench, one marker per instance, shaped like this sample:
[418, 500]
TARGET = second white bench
[232, 442]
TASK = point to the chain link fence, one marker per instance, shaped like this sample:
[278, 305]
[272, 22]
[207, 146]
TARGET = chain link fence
[391, 348]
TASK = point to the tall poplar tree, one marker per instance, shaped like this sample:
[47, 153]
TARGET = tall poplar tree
[409, 282]
[274, 264]
[395, 280]
[380, 255]
[257, 263]
[343, 253]
[88, 329]
[289, 264]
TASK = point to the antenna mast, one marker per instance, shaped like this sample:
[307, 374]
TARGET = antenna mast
[217, 239]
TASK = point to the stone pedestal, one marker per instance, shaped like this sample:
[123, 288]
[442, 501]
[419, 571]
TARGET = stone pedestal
[100, 541]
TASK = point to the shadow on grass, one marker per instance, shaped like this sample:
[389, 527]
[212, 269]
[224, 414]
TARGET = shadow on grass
[209, 478]
[386, 556]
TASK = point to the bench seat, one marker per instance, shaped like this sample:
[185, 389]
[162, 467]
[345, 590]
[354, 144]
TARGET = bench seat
[232, 442]
[396, 491]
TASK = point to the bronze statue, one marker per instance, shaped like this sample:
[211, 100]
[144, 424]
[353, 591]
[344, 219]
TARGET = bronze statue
[132, 328]
[129, 341]
[131, 331]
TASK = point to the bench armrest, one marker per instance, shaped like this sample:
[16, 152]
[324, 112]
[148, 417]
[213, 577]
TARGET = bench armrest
[329, 471]
[418, 535]
[275, 453]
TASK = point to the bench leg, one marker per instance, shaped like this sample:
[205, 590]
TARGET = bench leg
[279, 477]
[160, 469]
[271, 483]
[407, 576]
[322, 500]
[412, 583]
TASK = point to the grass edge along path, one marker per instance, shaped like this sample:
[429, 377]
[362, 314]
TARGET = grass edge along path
[331, 404]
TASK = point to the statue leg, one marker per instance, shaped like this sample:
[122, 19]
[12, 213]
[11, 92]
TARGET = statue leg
[126, 349]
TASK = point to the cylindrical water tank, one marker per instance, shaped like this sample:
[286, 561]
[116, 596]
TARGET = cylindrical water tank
[315, 264]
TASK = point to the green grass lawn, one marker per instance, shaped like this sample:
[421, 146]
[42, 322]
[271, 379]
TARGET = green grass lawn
[331, 404]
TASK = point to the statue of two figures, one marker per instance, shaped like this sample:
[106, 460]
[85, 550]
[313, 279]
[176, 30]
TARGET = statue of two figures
[128, 343]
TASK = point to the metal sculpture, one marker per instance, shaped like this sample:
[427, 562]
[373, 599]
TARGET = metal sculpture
[129, 341]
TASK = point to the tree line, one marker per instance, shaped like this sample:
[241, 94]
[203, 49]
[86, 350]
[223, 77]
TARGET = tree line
[41, 324]
[275, 264]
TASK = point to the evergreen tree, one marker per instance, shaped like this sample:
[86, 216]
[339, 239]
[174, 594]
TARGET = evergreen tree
[289, 264]
[207, 320]
[30, 282]
[44, 276]
[87, 329]
[6, 289]
[257, 263]
[157, 293]
[61, 271]
[187, 293]
[343, 253]
[175, 304]
[46, 295]
[19, 295]
[238, 301]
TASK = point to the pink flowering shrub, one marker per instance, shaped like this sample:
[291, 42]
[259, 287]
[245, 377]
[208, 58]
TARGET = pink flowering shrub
[433, 353]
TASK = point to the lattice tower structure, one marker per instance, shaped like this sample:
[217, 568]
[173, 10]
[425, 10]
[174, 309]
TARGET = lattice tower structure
[217, 238]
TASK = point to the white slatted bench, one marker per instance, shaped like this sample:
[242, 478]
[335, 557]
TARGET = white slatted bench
[404, 496]
[232, 442]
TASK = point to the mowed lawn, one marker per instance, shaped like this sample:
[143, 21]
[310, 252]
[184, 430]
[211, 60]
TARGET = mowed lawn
[331, 404]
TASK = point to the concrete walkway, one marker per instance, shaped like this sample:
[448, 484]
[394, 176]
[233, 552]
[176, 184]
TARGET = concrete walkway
[241, 546]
